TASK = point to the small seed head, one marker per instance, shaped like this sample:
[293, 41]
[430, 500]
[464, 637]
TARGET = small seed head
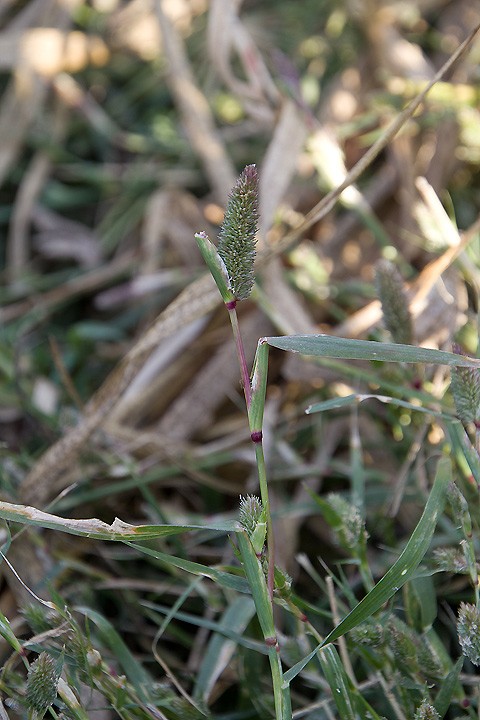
[42, 682]
[351, 523]
[368, 634]
[251, 510]
[468, 628]
[450, 560]
[392, 295]
[426, 711]
[236, 245]
[465, 387]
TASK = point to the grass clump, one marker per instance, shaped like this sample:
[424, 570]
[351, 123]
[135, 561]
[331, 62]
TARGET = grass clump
[168, 550]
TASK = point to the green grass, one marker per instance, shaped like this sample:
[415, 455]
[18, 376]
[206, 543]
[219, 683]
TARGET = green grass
[140, 578]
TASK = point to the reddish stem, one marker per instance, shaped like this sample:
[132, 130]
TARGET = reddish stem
[242, 360]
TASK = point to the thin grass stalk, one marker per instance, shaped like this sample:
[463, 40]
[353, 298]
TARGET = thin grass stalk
[256, 434]
[242, 360]
[262, 478]
[281, 698]
[263, 605]
[256, 421]
[232, 268]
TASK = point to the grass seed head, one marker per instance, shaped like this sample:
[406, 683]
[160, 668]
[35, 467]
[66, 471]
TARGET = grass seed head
[426, 711]
[468, 628]
[237, 238]
[42, 682]
[391, 293]
[465, 386]
[251, 510]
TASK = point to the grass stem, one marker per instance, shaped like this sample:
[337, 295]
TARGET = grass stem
[262, 478]
[242, 361]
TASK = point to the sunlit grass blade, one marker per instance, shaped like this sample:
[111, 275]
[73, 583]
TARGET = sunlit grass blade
[292, 672]
[404, 568]
[348, 349]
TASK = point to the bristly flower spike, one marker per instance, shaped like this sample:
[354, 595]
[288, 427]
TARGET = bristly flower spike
[391, 293]
[236, 245]
[468, 628]
[426, 711]
[465, 387]
[42, 682]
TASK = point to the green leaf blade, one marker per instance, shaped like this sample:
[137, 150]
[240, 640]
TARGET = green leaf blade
[350, 349]
[404, 568]
[338, 681]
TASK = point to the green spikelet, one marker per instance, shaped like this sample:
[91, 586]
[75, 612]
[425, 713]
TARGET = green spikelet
[450, 560]
[465, 386]
[351, 524]
[42, 682]
[468, 628]
[426, 711]
[402, 643]
[369, 634]
[236, 245]
[391, 293]
[252, 519]
[40, 618]
[250, 512]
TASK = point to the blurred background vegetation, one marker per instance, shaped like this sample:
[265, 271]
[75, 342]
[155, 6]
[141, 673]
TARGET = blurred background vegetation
[123, 126]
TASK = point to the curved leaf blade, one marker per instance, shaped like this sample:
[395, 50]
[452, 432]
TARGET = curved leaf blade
[357, 398]
[404, 568]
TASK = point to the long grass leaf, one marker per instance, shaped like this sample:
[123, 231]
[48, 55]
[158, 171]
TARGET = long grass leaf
[349, 349]
[340, 402]
[258, 585]
[404, 568]
[448, 687]
[220, 648]
[228, 580]
[154, 610]
[338, 681]
[93, 528]
[463, 449]
[7, 633]
[134, 671]
[292, 673]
